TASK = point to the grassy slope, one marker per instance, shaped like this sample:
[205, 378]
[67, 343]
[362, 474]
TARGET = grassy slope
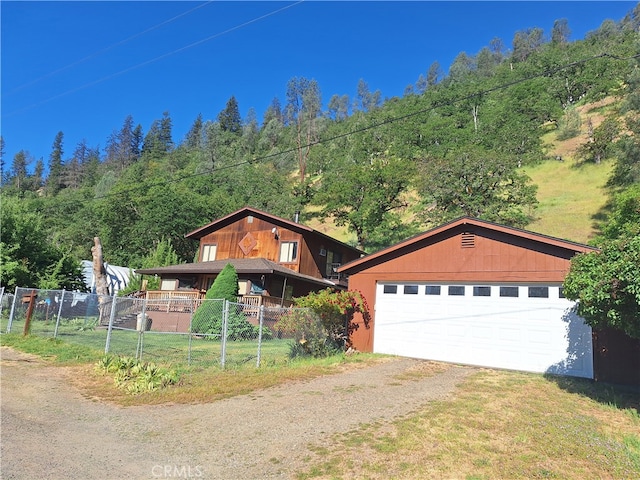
[569, 194]
[569, 197]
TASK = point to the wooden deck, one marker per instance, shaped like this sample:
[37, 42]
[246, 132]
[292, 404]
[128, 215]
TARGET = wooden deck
[189, 301]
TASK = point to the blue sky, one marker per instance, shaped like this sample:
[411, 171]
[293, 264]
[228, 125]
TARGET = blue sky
[82, 67]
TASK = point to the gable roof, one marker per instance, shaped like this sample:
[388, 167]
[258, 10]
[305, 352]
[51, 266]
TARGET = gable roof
[242, 265]
[395, 250]
[249, 211]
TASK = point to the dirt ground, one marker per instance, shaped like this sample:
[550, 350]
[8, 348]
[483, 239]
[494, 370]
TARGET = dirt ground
[50, 430]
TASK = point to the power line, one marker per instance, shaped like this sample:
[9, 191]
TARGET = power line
[153, 60]
[106, 49]
[388, 121]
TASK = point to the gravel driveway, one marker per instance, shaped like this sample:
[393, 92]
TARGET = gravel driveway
[50, 431]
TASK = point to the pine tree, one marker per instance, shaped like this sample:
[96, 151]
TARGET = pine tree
[208, 317]
[19, 169]
[193, 140]
[229, 118]
[56, 166]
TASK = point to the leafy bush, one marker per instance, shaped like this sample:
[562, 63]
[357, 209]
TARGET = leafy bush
[324, 323]
[569, 125]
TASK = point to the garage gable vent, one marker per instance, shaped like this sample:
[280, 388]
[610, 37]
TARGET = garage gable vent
[468, 240]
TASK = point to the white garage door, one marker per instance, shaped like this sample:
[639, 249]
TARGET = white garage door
[519, 327]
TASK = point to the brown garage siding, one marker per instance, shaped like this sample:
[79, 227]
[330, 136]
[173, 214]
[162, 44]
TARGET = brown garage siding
[466, 251]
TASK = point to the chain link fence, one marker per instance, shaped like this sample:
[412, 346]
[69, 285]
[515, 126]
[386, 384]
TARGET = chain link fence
[172, 330]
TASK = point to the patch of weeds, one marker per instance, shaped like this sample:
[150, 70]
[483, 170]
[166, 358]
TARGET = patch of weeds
[481, 462]
[135, 377]
[544, 473]
[349, 389]
[386, 444]
[82, 325]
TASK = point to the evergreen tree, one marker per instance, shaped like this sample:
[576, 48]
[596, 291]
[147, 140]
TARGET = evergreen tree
[560, 32]
[208, 317]
[273, 112]
[37, 179]
[433, 74]
[19, 170]
[165, 133]
[229, 118]
[193, 139]
[4, 174]
[56, 166]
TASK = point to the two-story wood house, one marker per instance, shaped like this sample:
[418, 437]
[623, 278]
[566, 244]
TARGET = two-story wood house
[276, 259]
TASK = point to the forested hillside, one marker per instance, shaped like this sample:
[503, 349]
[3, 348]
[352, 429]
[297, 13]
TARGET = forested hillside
[463, 142]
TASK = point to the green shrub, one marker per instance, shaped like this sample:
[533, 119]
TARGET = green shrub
[208, 317]
[324, 323]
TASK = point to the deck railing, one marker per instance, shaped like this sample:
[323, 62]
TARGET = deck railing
[186, 300]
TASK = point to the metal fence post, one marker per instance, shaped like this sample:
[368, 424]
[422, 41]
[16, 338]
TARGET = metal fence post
[13, 309]
[261, 325]
[55, 331]
[223, 345]
[111, 319]
[190, 334]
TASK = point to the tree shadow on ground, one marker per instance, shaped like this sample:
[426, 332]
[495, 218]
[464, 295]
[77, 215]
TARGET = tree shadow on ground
[619, 396]
[579, 356]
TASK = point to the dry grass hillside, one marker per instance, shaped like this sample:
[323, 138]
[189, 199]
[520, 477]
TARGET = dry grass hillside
[570, 193]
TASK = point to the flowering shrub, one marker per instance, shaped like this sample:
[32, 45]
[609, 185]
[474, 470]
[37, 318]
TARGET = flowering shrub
[329, 328]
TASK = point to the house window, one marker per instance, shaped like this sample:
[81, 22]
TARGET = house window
[481, 291]
[334, 260]
[288, 251]
[509, 292]
[392, 289]
[411, 289]
[186, 283]
[209, 253]
[538, 292]
[561, 292]
[168, 284]
[432, 290]
[456, 290]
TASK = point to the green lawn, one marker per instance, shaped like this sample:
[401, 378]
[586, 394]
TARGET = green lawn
[164, 348]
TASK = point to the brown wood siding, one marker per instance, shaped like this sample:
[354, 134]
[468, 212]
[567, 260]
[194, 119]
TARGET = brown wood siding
[490, 260]
[494, 258]
[228, 240]
[616, 357]
[318, 263]
[309, 262]
[362, 337]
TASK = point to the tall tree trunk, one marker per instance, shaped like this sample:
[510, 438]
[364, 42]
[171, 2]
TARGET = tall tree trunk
[99, 272]
[99, 275]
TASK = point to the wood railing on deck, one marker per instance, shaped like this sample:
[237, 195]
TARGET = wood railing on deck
[185, 300]
[173, 300]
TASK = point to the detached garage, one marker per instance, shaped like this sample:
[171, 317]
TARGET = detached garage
[476, 293]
